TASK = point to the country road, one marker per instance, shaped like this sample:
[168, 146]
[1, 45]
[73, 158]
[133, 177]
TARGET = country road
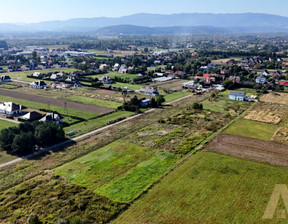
[83, 136]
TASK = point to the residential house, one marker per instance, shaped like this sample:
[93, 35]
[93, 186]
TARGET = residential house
[260, 80]
[236, 79]
[123, 69]
[11, 108]
[283, 83]
[37, 75]
[38, 85]
[224, 71]
[265, 73]
[219, 87]
[1, 70]
[103, 67]
[51, 117]
[31, 116]
[106, 80]
[236, 95]
[5, 78]
[151, 91]
[145, 103]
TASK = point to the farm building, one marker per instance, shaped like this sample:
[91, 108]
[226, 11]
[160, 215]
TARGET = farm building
[236, 95]
[53, 117]
[11, 108]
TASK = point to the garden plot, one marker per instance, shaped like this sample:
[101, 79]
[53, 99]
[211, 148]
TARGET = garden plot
[267, 113]
[281, 135]
[279, 98]
[182, 132]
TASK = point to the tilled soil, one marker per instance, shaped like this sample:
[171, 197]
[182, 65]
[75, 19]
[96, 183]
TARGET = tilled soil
[55, 102]
[248, 148]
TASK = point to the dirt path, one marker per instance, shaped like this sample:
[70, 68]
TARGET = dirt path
[55, 102]
[249, 148]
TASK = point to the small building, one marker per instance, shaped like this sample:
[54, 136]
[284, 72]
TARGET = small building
[151, 91]
[219, 87]
[105, 80]
[5, 78]
[237, 95]
[31, 116]
[38, 85]
[260, 80]
[1, 70]
[145, 103]
[52, 117]
[11, 108]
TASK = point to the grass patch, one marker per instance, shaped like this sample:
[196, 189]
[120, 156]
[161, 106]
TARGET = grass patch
[174, 96]
[51, 198]
[94, 102]
[252, 129]
[145, 173]
[209, 188]
[130, 86]
[6, 124]
[4, 157]
[99, 122]
[102, 166]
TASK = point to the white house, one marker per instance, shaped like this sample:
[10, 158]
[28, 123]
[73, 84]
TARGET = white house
[260, 79]
[236, 95]
[11, 108]
[38, 85]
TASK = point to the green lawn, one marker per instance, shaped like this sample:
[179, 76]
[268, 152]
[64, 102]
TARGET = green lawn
[145, 173]
[99, 122]
[94, 102]
[61, 110]
[252, 129]
[4, 157]
[119, 171]
[174, 96]
[209, 188]
[130, 86]
[6, 124]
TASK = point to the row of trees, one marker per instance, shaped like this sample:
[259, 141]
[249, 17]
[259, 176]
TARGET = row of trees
[28, 137]
[134, 104]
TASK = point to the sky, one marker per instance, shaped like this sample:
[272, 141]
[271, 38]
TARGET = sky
[29, 11]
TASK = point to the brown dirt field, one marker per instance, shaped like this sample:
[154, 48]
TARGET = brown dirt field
[267, 112]
[104, 91]
[253, 149]
[280, 98]
[55, 102]
[169, 84]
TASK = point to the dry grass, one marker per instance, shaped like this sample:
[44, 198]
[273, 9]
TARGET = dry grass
[267, 113]
[281, 135]
[279, 98]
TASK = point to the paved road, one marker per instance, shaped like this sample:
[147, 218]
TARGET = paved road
[10, 120]
[82, 136]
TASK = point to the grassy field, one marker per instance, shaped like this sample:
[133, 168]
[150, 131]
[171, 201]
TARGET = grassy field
[252, 129]
[4, 157]
[6, 124]
[94, 102]
[209, 188]
[61, 110]
[130, 86]
[119, 171]
[174, 96]
[60, 199]
[99, 122]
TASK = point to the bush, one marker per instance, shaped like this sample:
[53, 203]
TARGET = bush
[197, 106]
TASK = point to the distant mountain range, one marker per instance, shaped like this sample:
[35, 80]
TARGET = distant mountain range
[161, 24]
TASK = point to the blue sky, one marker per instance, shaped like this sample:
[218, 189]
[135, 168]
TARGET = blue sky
[26, 11]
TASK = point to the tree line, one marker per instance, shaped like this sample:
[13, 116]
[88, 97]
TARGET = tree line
[28, 137]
